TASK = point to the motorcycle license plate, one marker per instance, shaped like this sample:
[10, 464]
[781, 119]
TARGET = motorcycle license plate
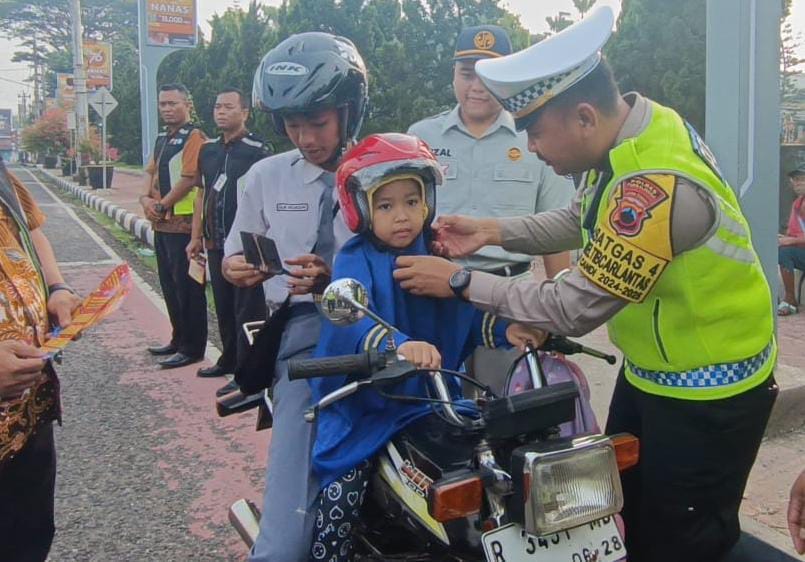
[598, 541]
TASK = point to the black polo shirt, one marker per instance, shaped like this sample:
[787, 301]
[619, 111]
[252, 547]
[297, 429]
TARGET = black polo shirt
[222, 167]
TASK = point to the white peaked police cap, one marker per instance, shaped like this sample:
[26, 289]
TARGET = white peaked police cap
[524, 81]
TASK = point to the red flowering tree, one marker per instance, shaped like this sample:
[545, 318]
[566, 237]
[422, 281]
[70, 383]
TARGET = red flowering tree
[49, 135]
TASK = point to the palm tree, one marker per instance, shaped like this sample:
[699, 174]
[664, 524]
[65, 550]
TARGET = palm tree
[583, 6]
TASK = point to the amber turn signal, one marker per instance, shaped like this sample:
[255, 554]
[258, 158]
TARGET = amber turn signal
[627, 450]
[454, 498]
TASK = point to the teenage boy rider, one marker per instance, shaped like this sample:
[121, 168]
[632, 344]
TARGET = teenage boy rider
[668, 264]
[167, 199]
[222, 163]
[314, 85]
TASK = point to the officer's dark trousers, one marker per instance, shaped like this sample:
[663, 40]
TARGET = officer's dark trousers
[234, 306]
[26, 499]
[682, 500]
[184, 298]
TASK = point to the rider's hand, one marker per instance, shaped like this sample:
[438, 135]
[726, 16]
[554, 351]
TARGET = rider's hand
[193, 248]
[796, 513]
[312, 275]
[520, 335]
[20, 367]
[241, 273]
[422, 354]
[61, 305]
[459, 236]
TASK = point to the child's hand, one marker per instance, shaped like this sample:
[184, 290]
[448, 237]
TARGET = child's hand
[520, 335]
[422, 354]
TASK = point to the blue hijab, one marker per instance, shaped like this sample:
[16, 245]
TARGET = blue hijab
[355, 428]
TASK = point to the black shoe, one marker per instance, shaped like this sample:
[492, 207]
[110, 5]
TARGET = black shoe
[168, 349]
[178, 360]
[231, 386]
[214, 371]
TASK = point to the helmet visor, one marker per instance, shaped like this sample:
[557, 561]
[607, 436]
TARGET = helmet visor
[368, 178]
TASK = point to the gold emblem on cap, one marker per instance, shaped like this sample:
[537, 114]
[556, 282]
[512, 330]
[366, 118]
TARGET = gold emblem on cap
[484, 40]
[515, 154]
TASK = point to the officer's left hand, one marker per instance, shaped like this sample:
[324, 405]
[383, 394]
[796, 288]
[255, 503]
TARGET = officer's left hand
[61, 305]
[425, 275]
[312, 275]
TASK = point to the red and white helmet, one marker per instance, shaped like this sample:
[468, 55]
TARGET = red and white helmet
[375, 161]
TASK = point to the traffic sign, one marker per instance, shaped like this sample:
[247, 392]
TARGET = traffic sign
[102, 101]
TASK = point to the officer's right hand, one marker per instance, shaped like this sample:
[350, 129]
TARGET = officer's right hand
[459, 236]
[241, 273]
[20, 367]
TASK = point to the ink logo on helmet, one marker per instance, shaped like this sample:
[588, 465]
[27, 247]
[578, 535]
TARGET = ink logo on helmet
[635, 198]
[484, 40]
[287, 69]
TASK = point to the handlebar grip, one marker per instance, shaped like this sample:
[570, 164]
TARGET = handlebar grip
[358, 364]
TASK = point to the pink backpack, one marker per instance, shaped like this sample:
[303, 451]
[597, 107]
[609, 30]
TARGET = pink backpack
[559, 369]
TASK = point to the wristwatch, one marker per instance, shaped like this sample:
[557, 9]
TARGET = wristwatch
[459, 281]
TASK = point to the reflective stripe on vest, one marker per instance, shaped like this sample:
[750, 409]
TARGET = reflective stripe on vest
[170, 150]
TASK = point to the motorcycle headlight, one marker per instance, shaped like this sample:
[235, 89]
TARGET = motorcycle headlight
[564, 484]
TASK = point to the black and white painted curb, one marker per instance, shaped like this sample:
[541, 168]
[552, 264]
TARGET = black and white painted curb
[136, 225]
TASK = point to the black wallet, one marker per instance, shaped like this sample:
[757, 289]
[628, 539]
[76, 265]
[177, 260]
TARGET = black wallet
[261, 252]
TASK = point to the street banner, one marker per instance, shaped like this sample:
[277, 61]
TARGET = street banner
[5, 122]
[171, 23]
[98, 62]
[102, 302]
[65, 90]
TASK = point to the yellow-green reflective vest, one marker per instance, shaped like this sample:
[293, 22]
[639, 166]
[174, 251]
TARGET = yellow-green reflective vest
[169, 151]
[711, 307]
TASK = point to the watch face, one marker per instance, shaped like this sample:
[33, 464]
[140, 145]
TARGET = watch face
[459, 280]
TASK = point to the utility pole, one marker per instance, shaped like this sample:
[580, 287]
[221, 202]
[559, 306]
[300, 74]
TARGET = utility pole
[79, 74]
[37, 108]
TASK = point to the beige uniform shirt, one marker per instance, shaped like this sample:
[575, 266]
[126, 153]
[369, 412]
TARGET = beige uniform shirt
[573, 305]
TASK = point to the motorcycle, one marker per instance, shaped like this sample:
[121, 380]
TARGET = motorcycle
[501, 484]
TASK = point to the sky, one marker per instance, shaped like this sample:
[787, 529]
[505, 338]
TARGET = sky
[532, 15]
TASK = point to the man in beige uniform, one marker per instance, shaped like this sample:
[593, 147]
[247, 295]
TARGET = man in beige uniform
[668, 264]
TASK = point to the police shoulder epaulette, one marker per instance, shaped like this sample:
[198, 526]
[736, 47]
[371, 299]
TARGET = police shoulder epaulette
[184, 131]
[163, 134]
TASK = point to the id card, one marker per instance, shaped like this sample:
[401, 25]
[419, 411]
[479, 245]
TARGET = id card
[219, 183]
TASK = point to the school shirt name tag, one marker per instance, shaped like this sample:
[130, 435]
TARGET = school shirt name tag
[292, 207]
[219, 183]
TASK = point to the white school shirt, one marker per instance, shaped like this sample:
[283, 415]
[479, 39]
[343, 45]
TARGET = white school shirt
[280, 200]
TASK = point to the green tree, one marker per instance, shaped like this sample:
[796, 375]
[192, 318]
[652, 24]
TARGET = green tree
[659, 50]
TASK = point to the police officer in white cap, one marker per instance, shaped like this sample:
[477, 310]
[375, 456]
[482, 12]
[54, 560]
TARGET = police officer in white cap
[489, 172]
[668, 265]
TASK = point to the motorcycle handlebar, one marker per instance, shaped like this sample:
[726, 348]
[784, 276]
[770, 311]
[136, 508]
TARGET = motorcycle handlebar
[565, 346]
[365, 364]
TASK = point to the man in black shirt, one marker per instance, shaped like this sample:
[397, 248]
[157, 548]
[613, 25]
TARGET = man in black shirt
[223, 161]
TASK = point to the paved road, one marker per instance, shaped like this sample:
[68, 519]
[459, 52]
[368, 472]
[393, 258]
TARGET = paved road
[146, 469]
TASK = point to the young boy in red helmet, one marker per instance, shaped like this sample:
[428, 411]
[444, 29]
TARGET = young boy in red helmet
[386, 188]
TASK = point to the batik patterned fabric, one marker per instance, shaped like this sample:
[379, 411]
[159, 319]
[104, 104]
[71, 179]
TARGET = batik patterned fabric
[24, 317]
